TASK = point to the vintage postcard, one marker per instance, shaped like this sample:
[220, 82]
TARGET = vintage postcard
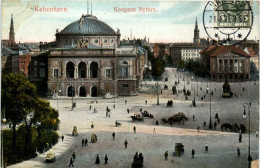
[130, 84]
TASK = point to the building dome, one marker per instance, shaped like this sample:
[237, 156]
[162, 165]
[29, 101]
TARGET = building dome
[90, 25]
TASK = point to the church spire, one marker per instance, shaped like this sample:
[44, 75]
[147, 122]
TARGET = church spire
[196, 38]
[11, 33]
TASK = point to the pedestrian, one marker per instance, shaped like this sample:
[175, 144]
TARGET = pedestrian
[240, 137]
[71, 162]
[128, 110]
[250, 104]
[206, 147]
[73, 156]
[154, 131]
[83, 142]
[193, 117]
[192, 153]
[89, 107]
[218, 120]
[204, 124]
[134, 129]
[256, 133]
[114, 106]
[166, 155]
[106, 113]
[198, 128]
[141, 109]
[92, 125]
[97, 160]
[238, 152]
[146, 102]
[62, 137]
[125, 101]
[215, 125]
[243, 89]
[106, 159]
[86, 142]
[125, 144]
[113, 135]
[96, 102]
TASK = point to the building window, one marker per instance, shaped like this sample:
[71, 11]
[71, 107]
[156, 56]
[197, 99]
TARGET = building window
[124, 85]
[42, 72]
[56, 73]
[96, 41]
[112, 41]
[123, 71]
[108, 73]
[105, 41]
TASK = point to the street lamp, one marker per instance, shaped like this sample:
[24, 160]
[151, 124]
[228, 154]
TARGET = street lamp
[244, 116]
[210, 122]
[157, 92]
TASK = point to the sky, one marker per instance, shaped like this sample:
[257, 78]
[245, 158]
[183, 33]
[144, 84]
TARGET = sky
[173, 21]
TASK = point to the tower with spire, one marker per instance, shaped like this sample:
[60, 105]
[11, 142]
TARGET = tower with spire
[196, 38]
[11, 41]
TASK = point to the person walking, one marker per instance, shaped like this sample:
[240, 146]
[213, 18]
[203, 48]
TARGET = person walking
[240, 137]
[92, 125]
[218, 120]
[166, 155]
[83, 142]
[134, 129]
[113, 135]
[97, 160]
[206, 147]
[125, 144]
[193, 117]
[106, 159]
[86, 142]
[71, 162]
[114, 106]
[62, 137]
[256, 133]
[73, 156]
[125, 101]
[154, 131]
[238, 152]
[89, 107]
[146, 102]
[192, 153]
[128, 110]
[215, 125]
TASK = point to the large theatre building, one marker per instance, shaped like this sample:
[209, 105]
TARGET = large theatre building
[86, 60]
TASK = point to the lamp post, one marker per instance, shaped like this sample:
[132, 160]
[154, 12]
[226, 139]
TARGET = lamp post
[244, 116]
[157, 92]
[210, 122]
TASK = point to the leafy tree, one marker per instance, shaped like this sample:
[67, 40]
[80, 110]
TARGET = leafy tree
[158, 67]
[18, 95]
[138, 42]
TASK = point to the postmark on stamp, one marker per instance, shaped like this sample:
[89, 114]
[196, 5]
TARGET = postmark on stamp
[228, 21]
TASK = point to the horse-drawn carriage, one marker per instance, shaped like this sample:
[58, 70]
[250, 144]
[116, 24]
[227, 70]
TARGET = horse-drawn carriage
[179, 149]
[137, 117]
[93, 138]
[74, 131]
[175, 118]
[146, 114]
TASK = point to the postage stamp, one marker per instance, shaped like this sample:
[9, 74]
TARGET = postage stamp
[120, 84]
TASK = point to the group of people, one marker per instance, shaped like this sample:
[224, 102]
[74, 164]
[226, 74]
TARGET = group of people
[84, 142]
[98, 160]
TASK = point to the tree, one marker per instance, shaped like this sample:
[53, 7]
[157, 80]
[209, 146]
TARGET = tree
[158, 67]
[18, 95]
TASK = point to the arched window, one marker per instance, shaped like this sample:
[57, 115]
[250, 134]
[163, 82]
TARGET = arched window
[82, 91]
[124, 69]
[96, 41]
[105, 41]
[112, 41]
[82, 70]
[93, 70]
[70, 68]
[71, 91]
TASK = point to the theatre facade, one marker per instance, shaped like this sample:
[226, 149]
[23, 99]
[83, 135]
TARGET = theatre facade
[86, 60]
